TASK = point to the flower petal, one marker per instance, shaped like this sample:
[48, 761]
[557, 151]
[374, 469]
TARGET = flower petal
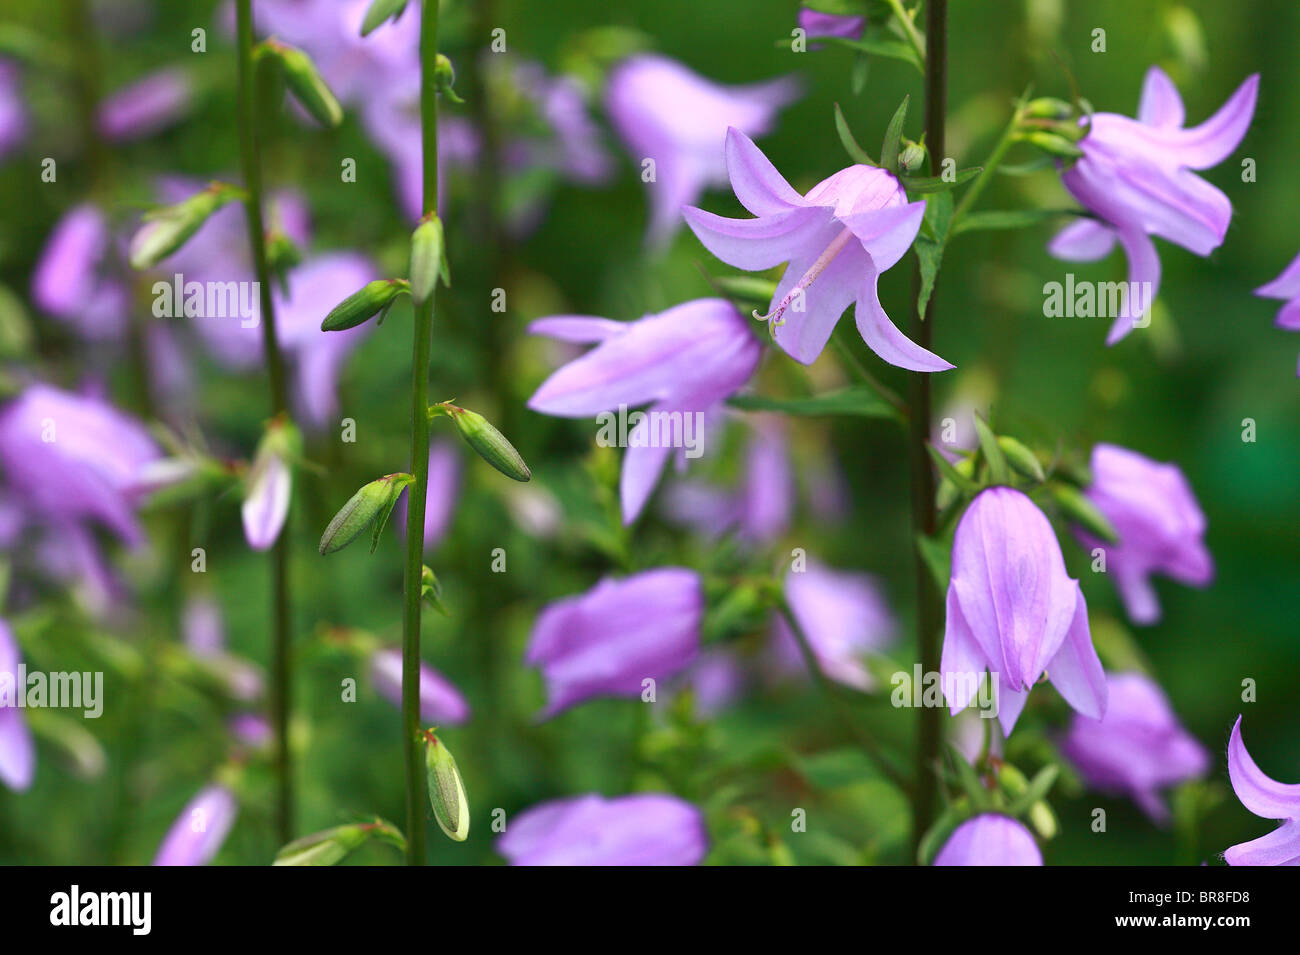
[758, 185]
[1084, 240]
[1213, 141]
[887, 233]
[1259, 793]
[757, 244]
[961, 656]
[1160, 104]
[578, 329]
[1279, 847]
[1143, 282]
[884, 338]
[1076, 671]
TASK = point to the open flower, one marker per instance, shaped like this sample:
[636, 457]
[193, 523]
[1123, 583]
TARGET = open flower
[1287, 288]
[990, 839]
[1160, 526]
[1268, 799]
[1013, 610]
[1136, 177]
[682, 362]
[837, 240]
[637, 830]
[440, 701]
[198, 832]
[611, 639]
[669, 114]
[17, 752]
[1138, 747]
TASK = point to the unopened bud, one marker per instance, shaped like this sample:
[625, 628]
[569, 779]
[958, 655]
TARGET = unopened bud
[1022, 460]
[911, 158]
[165, 230]
[328, 847]
[428, 259]
[374, 501]
[1054, 143]
[490, 444]
[444, 77]
[375, 298]
[306, 84]
[1048, 107]
[1083, 512]
[446, 790]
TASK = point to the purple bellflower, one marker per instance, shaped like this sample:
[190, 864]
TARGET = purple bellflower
[830, 24]
[198, 832]
[70, 281]
[607, 641]
[17, 752]
[1160, 526]
[669, 114]
[1136, 176]
[1137, 748]
[1267, 799]
[1287, 288]
[682, 362]
[645, 829]
[837, 239]
[146, 106]
[440, 701]
[990, 839]
[1013, 610]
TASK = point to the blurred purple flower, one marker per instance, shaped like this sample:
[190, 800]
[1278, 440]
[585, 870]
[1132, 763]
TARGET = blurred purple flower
[1287, 288]
[440, 501]
[990, 839]
[1160, 526]
[268, 493]
[607, 641]
[683, 361]
[17, 752]
[251, 729]
[830, 24]
[1268, 799]
[74, 458]
[645, 829]
[70, 282]
[837, 239]
[13, 114]
[669, 114]
[198, 832]
[440, 701]
[1013, 610]
[843, 615]
[716, 680]
[1136, 177]
[202, 628]
[147, 106]
[1137, 748]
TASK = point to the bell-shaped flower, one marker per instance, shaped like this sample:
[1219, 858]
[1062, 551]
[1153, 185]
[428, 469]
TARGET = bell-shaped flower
[147, 106]
[71, 282]
[440, 702]
[616, 636]
[1287, 288]
[1013, 610]
[1138, 748]
[17, 752]
[816, 24]
[845, 618]
[676, 119]
[682, 362]
[644, 829]
[1268, 799]
[1136, 177]
[837, 239]
[990, 839]
[198, 832]
[1159, 524]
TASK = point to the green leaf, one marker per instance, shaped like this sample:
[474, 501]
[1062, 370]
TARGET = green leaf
[857, 401]
[850, 144]
[938, 559]
[929, 245]
[1008, 219]
[381, 10]
[962, 482]
[969, 780]
[1022, 460]
[894, 136]
[832, 769]
[858, 73]
[877, 43]
[381, 519]
[922, 185]
[1039, 786]
[1082, 511]
[1025, 168]
[996, 461]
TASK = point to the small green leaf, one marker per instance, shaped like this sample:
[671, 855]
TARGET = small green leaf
[1007, 219]
[1075, 506]
[847, 140]
[993, 456]
[1022, 460]
[379, 11]
[857, 401]
[929, 245]
[1039, 786]
[923, 185]
[894, 137]
[961, 481]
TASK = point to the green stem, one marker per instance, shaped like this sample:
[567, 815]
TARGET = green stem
[929, 614]
[415, 781]
[909, 28]
[251, 163]
[990, 167]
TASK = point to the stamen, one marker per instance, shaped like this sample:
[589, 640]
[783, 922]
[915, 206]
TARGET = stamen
[777, 316]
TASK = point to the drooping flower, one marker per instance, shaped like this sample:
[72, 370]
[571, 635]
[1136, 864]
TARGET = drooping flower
[1160, 526]
[669, 114]
[990, 839]
[815, 23]
[1268, 799]
[716, 679]
[1287, 288]
[1138, 748]
[440, 501]
[13, 114]
[1013, 610]
[71, 282]
[837, 239]
[645, 829]
[845, 618]
[440, 701]
[682, 362]
[146, 106]
[1136, 177]
[607, 641]
[268, 492]
[17, 751]
[198, 832]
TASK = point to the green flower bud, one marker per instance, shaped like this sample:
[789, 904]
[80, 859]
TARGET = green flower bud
[490, 444]
[165, 230]
[446, 791]
[374, 501]
[1083, 512]
[1022, 460]
[444, 77]
[911, 158]
[328, 847]
[306, 84]
[379, 11]
[1054, 144]
[375, 298]
[431, 590]
[1048, 107]
[428, 259]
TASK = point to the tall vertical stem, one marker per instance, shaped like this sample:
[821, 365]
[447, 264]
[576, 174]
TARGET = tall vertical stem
[251, 163]
[928, 617]
[415, 794]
